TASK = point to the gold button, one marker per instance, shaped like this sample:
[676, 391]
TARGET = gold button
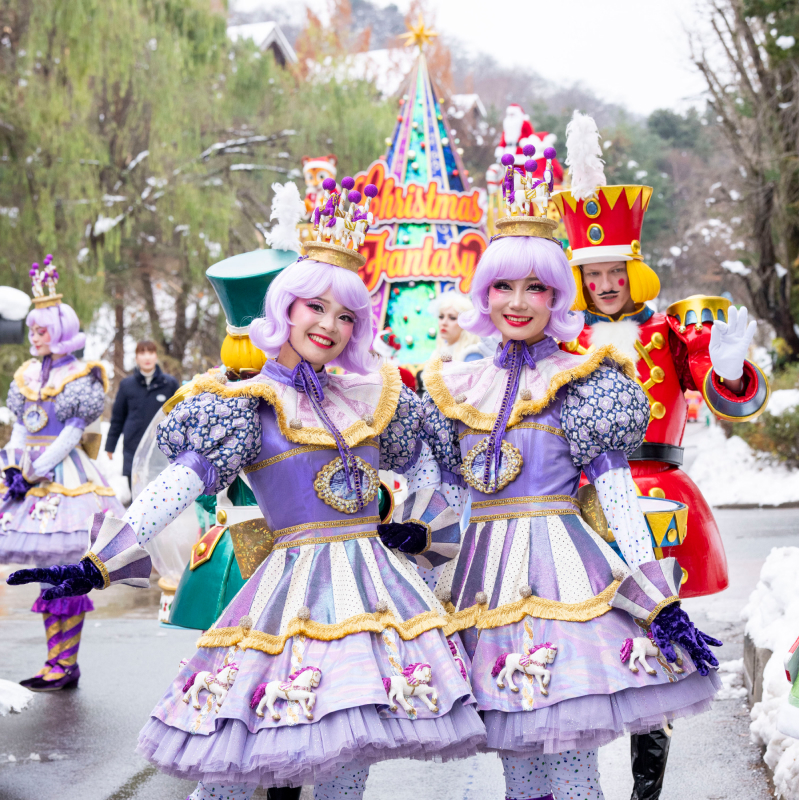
[658, 341]
[657, 375]
[656, 492]
[201, 548]
[658, 410]
[672, 534]
[685, 576]
[222, 517]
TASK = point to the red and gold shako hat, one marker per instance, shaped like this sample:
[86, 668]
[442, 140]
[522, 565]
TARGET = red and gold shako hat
[606, 226]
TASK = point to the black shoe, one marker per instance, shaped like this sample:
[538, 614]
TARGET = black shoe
[649, 753]
[28, 681]
[68, 681]
[284, 793]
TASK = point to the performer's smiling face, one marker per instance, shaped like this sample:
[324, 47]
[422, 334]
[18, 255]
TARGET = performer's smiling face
[608, 285]
[40, 339]
[321, 328]
[520, 309]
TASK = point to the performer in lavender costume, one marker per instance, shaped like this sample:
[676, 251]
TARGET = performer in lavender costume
[53, 486]
[292, 683]
[548, 611]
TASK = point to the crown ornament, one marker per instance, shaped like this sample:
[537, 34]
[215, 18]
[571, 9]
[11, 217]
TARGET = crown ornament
[527, 198]
[338, 233]
[43, 277]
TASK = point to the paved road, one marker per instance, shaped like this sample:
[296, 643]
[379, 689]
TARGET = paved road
[79, 745]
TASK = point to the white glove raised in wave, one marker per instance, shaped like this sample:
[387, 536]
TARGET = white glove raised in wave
[730, 342]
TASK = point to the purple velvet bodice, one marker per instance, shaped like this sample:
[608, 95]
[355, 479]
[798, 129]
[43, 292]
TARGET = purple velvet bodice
[46, 435]
[284, 486]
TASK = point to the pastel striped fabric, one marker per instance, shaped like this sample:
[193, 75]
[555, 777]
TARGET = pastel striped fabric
[648, 586]
[116, 546]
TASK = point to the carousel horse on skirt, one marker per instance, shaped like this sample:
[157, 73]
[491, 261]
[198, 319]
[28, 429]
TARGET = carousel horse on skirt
[217, 685]
[298, 687]
[531, 663]
[411, 682]
[639, 649]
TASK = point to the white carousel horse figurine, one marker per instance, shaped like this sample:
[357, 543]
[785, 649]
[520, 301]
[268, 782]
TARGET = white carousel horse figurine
[46, 507]
[411, 682]
[217, 685]
[298, 687]
[531, 663]
[639, 649]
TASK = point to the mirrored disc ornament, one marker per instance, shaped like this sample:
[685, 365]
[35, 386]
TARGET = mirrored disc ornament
[474, 462]
[34, 418]
[331, 486]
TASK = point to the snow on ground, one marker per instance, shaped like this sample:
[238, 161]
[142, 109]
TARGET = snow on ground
[13, 697]
[773, 619]
[731, 674]
[782, 400]
[729, 472]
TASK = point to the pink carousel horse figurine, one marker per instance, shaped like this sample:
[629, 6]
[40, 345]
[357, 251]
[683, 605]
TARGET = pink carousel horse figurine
[639, 649]
[509, 663]
[217, 685]
[411, 682]
[298, 687]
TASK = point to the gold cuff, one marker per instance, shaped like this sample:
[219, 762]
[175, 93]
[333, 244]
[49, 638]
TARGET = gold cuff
[93, 557]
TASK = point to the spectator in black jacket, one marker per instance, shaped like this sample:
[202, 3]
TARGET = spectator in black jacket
[139, 398]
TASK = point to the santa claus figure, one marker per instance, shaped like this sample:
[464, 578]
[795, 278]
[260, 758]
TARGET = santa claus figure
[517, 132]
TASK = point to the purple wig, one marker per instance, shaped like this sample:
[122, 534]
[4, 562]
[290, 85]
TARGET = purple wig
[307, 279]
[515, 257]
[63, 326]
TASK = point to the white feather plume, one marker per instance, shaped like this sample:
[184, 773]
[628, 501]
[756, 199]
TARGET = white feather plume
[583, 156]
[288, 208]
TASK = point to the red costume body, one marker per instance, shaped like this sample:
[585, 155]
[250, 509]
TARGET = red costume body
[671, 359]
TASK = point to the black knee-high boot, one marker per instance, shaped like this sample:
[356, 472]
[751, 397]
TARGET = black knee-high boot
[284, 793]
[649, 752]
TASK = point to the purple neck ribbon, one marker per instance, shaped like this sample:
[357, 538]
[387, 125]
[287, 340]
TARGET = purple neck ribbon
[305, 380]
[513, 357]
[48, 363]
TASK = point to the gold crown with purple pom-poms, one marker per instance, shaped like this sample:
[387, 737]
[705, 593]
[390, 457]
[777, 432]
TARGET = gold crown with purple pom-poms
[338, 233]
[526, 206]
[43, 277]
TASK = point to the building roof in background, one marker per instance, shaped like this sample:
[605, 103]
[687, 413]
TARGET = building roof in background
[266, 36]
[463, 104]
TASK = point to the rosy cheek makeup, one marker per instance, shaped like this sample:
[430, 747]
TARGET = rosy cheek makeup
[592, 286]
[621, 281]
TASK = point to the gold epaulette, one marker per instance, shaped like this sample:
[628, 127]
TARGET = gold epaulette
[697, 309]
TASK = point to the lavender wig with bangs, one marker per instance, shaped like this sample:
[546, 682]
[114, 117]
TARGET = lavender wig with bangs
[515, 257]
[63, 326]
[306, 279]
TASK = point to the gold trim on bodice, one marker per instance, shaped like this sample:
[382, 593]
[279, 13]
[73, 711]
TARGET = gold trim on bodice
[297, 451]
[49, 392]
[536, 426]
[337, 523]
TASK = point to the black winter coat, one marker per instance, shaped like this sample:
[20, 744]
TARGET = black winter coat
[135, 406]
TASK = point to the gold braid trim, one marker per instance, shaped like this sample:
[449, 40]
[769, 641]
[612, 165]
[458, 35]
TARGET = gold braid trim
[309, 448]
[518, 501]
[56, 488]
[360, 623]
[483, 421]
[48, 391]
[101, 566]
[667, 601]
[353, 434]
[478, 616]
[537, 426]
[547, 512]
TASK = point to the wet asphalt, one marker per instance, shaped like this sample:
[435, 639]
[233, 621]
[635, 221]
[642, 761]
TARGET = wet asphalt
[79, 745]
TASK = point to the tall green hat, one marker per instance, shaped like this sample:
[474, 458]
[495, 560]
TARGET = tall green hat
[241, 283]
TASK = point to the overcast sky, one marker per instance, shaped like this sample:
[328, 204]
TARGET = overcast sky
[632, 52]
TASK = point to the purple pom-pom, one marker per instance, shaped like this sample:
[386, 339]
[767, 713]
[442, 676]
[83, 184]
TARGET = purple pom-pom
[507, 160]
[47, 259]
[354, 197]
[371, 190]
[549, 152]
[55, 276]
[529, 150]
[329, 184]
[32, 273]
[348, 183]
[35, 265]
[531, 165]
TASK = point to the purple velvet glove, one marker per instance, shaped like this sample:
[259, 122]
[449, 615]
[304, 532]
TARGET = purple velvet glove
[17, 485]
[407, 537]
[68, 581]
[673, 625]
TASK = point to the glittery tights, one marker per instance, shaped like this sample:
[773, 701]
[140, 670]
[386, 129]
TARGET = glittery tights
[570, 775]
[347, 785]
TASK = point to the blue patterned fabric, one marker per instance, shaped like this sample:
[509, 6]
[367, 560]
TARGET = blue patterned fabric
[441, 434]
[83, 398]
[603, 411]
[398, 441]
[224, 430]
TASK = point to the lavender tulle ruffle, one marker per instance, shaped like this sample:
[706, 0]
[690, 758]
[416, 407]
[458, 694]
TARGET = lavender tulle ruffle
[43, 549]
[307, 754]
[63, 606]
[595, 720]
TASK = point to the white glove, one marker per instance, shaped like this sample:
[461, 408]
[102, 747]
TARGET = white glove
[730, 342]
